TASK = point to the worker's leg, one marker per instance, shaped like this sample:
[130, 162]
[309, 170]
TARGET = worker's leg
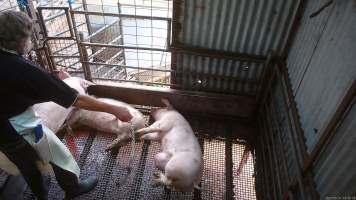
[69, 182]
[24, 157]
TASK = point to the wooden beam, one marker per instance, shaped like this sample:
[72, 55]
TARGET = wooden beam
[184, 101]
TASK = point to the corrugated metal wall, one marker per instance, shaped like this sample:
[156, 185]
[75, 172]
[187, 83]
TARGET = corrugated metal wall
[241, 26]
[335, 173]
[218, 75]
[322, 74]
[244, 26]
[279, 154]
[322, 64]
[322, 67]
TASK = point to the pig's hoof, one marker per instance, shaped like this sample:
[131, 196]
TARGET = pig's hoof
[110, 148]
[155, 183]
[156, 174]
[115, 144]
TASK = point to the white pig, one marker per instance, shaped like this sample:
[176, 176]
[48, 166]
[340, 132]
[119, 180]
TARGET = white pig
[54, 115]
[181, 156]
[108, 123]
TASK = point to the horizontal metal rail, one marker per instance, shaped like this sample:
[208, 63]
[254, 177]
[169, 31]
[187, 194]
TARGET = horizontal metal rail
[104, 48]
[119, 15]
[64, 56]
[108, 61]
[130, 67]
[67, 30]
[69, 66]
[143, 6]
[54, 16]
[134, 81]
[52, 8]
[122, 46]
[113, 69]
[100, 30]
[193, 74]
[61, 49]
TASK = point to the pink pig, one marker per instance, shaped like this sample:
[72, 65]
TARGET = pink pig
[181, 156]
[108, 123]
[52, 114]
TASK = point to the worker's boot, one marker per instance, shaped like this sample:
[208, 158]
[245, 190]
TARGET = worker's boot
[21, 153]
[72, 186]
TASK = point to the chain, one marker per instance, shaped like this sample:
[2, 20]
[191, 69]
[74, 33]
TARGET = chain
[133, 145]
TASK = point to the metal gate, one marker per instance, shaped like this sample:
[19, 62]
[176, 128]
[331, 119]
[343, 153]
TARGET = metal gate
[107, 43]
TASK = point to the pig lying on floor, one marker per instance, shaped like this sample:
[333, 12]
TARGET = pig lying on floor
[181, 157]
[54, 115]
[107, 122]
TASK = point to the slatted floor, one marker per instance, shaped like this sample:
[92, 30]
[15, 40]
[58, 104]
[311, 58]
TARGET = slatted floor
[222, 178]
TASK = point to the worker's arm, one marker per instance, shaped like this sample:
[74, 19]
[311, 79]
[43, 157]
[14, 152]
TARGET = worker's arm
[44, 87]
[90, 103]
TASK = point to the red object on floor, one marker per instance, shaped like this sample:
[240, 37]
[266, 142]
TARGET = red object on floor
[72, 146]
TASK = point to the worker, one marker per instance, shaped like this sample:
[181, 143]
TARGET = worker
[23, 84]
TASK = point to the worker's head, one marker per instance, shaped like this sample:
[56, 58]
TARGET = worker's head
[15, 31]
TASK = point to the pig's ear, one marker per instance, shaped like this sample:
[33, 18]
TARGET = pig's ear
[167, 103]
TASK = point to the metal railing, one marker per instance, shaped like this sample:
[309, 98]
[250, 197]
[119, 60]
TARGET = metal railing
[123, 46]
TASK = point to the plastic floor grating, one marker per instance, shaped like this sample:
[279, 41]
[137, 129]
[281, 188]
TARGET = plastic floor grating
[116, 183]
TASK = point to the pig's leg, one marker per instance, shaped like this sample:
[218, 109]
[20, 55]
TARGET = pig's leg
[159, 126]
[155, 127]
[123, 137]
[161, 160]
[73, 118]
[151, 136]
[159, 179]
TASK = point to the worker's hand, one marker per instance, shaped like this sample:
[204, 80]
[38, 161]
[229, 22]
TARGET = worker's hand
[122, 113]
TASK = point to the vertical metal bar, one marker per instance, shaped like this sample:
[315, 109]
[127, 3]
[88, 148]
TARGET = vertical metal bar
[176, 28]
[168, 34]
[42, 23]
[257, 172]
[70, 26]
[85, 58]
[151, 43]
[51, 62]
[87, 20]
[228, 163]
[122, 37]
[86, 68]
